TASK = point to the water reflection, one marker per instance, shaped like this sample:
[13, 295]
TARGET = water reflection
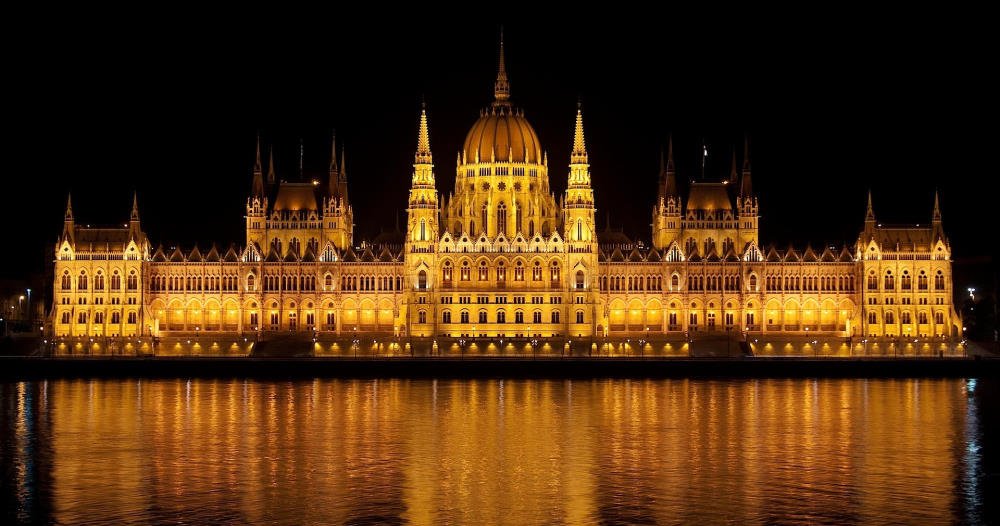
[840, 451]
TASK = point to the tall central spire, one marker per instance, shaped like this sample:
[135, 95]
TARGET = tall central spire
[501, 89]
[579, 155]
[423, 155]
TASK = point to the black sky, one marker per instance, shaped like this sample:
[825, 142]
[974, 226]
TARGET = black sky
[172, 109]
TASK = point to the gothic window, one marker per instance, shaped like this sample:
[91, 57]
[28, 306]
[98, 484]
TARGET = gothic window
[276, 246]
[67, 283]
[65, 317]
[422, 280]
[518, 317]
[501, 316]
[485, 222]
[81, 317]
[536, 317]
[502, 219]
[579, 230]
[446, 273]
[422, 317]
[519, 271]
[423, 230]
[939, 317]
[726, 245]
[922, 281]
[250, 282]
[482, 316]
[554, 317]
[99, 281]
[554, 274]
[531, 228]
[328, 254]
[501, 272]
[81, 283]
[709, 245]
[463, 316]
[690, 245]
[675, 281]
[131, 317]
[98, 318]
[890, 318]
[116, 317]
[890, 281]
[579, 316]
[904, 318]
[483, 271]
[872, 281]
[904, 282]
[579, 279]
[472, 228]
[517, 208]
[753, 282]
[921, 317]
[466, 271]
[536, 272]
[939, 281]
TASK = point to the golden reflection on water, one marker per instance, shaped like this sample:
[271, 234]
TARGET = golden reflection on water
[489, 451]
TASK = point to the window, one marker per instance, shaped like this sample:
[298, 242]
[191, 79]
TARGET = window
[81, 283]
[464, 316]
[890, 319]
[422, 317]
[81, 317]
[482, 316]
[921, 317]
[99, 281]
[65, 317]
[483, 271]
[872, 317]
[579, 316]
[446, 273]
[904, 317]
[116, 317]
[872, 281]
[890, 282]
[328, 282]
[555, 316]
[502, 219]
[98, 318]
[501, 317]
[693, 318]
[536, 317]
[131, 317]
[554, 274]
[519, 272]
[904, 282]
[753, 282]
[66, 281]
[922, 281]
[446, 317]
[465, 271]
[939, 317]
[422, 280]
[518, 317]
[536, 272]
[579, 279]
[485, 222]
[250, 282]
[501, 272]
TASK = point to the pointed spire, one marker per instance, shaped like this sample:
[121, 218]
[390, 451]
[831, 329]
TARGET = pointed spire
[501, 89]
[302, 155]
[423, 155]
[870, 214]
[746, 184]
[69, 207]
[135, 207]
[256, 165]
[669, 175]
[579, 155]
[270, 166]
[937, 207]
[334, 180]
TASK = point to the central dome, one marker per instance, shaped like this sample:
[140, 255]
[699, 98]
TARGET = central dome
[503, 134]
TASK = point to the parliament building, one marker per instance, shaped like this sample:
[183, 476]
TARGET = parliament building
[502, 258]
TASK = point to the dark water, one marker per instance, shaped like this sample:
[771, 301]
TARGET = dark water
[796, 451]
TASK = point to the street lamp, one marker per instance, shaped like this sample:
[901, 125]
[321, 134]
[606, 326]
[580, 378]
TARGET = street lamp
[972, 293]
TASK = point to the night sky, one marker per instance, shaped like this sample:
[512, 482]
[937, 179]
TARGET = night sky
[173, 112]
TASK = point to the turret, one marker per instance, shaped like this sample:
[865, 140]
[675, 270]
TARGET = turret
[667, 210]
[938, 229]
[746, 209]
[578, 202]
[422, 229]
[257, 190]
[69, 225]
[333, 183]
[134, 229]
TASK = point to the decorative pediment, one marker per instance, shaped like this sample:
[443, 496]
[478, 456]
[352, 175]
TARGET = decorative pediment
[177, 256]
[213, 254]
[159, 256]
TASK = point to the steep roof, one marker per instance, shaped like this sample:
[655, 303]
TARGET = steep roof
[708, 196]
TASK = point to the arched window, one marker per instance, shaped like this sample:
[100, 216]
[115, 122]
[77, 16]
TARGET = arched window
[890, 319]
[501, 316]
[483, 271]
[423, 230]
[579, 278]
[328, 282]
[132, 283]
[904, 282]
[250, 282]
[466, 271]
[939, 281]
[67, 283]
[81, 283]
[890, 281]
[579, 316]
[554, 316]
[99, 281]
[675, 282]
[422, 279]
[116, 281]
[517, 217]
[872, 281]
[921, 317]
[753, 282]
[531, 228]
[922, 281]
[904, 317]
[98, 318]
[446, 317]
[422, 317]
[554, 274]
[486, 230]
[446, 273]
[502, 219]
[579, 230]
[116, 317]
[464, 316]
[872, 317]
[482, 316]
[131, 317]
[501, 272]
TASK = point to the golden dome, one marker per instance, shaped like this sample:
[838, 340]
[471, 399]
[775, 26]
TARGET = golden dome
[504, 134]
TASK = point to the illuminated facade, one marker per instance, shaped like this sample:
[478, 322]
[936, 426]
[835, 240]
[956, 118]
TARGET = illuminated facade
[502, 257]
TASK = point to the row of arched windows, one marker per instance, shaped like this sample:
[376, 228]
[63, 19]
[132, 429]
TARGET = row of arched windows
[810, 283]
[622, 283]
[83, 282]
[368, 283]
[99, 318]
[905, 317]
[905, 281]
[289, 283]
[501, 317]
[194, 283]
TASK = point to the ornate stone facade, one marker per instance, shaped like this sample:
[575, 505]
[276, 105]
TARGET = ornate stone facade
[501, 257]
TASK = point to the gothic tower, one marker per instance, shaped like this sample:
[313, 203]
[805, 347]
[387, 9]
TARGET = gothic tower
[667, 210]
[746, 205]
[580, 232]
